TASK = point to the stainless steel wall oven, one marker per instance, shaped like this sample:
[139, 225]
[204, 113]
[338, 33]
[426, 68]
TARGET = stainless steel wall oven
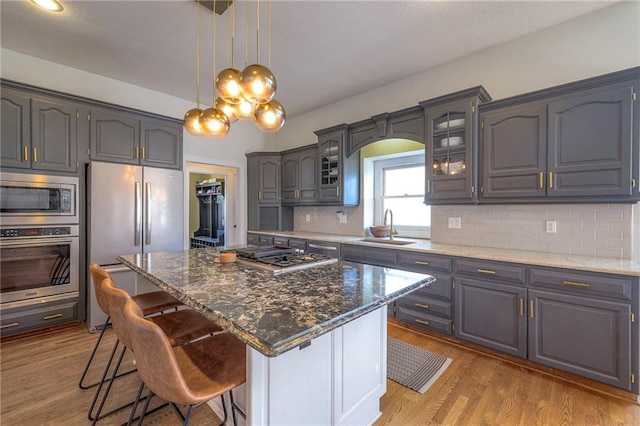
[39, 251]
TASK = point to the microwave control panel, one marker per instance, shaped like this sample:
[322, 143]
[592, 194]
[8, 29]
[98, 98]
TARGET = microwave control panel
[52, 231]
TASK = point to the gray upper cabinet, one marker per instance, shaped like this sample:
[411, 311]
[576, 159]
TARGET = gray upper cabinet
[573, 143]
[161, 144]
[54, 137]
[16, 123]
[590, 144]
[38, 132]
[339, 175]
[451, 147]
[123, 137]
[300, 175]
[514, 152]
[115, 137]
[269, 179]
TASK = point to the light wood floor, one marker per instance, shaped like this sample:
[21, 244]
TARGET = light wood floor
[38, 386]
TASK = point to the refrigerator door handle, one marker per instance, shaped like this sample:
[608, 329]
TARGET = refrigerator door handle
[138, 214]
[147, 212]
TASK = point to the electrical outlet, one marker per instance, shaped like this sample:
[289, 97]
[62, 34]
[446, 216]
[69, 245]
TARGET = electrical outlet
[455, 223]
[343, 218]
[308, 218]
[552, 226]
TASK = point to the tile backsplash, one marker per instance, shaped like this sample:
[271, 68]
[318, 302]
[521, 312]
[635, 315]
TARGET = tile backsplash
[602, 230]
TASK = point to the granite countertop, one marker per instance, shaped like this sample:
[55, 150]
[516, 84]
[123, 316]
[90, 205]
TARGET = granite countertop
[274, 314]
[556, 260]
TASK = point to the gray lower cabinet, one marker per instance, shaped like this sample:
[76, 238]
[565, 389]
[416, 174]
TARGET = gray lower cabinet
[33, 317]
[38, 132]
[253, 239]
[491, 315]
[300, 175]
[580, 335]
[370, 255]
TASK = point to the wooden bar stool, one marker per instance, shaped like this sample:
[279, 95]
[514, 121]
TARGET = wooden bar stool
[150, 303]
[182, 326]
[191, 374]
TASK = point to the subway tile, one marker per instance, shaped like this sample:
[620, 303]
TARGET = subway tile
[609, 233]
[609, 253]
[583, 251]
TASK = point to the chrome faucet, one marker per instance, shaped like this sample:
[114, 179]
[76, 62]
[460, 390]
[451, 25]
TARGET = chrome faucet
[384, 222]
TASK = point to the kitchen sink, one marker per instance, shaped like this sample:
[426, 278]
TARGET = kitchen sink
[387, 241]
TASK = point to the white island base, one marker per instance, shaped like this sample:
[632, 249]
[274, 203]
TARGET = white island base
[337, 380]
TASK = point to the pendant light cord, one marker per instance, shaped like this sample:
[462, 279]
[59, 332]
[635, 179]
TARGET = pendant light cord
[246, 34]
[258, 32]
[213, 68]
[198, 54]
[269, 38]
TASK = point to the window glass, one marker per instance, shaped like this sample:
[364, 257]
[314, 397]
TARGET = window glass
[403, 181]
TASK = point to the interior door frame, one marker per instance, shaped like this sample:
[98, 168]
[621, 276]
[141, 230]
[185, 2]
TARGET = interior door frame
[235, 210]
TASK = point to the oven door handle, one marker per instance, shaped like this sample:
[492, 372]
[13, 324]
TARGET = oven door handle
[41, 242]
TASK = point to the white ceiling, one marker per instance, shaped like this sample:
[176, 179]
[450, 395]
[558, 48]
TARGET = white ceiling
[322, 51]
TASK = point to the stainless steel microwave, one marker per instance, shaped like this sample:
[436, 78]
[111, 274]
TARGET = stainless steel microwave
[27, 199]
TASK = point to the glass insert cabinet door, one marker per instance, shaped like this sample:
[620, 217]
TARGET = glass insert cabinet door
[449, 152]
[330, 164]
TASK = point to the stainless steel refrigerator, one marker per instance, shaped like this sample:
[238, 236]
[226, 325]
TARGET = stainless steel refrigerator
[131, 209]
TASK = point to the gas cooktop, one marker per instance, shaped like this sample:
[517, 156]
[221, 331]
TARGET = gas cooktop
[280, 260]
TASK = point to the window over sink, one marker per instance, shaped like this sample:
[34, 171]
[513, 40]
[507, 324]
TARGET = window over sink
[399, 187]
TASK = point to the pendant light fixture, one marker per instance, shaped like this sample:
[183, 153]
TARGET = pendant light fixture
[257, 82]
[228, 81]
[269, 116]
[191, 119]
[214, 122]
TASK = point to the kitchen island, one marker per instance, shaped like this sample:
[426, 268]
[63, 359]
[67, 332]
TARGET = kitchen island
[316, 338]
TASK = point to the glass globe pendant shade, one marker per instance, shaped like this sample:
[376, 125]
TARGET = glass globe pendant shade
[270, 117]
[227, 108]
[258, 84]
[245, 110]
[228, 85]
[214, 122]
[191, 121]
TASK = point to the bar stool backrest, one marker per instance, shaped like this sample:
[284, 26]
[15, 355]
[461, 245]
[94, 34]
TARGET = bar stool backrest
[156, 362]
[98, 275]
[117, 300]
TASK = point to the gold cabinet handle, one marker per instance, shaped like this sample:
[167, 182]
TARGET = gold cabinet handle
[421, 305]
[48, 317]
[25, 153]
[11, 324]
[550, 180]
[521, 307]
[143, 154]
[35, 154]
[530, 308]
[421, 321]
[421, 262]
[259, 195]
[575, 284]
[541, 179]
[486, 271]
[428, 186]
[136, 152]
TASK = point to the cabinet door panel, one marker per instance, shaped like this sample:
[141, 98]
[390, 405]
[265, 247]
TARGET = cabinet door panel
[307, 175]
[161, 145]
[409, 126]
[269, 179]
[15, 137]
[514, 152]
[491, 315]
[54, 138]
[590, 139]
[114, 137]
[289, 177]
[583, 336]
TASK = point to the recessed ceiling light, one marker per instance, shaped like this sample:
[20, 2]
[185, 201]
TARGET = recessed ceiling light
[51, 5]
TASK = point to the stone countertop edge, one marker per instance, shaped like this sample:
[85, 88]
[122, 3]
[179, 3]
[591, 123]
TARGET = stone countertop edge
[532, 258]
[287, 344]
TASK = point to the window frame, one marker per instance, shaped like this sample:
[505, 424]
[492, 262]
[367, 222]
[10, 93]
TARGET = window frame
[405, 161]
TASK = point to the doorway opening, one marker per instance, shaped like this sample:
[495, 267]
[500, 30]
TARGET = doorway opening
[223, 180]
